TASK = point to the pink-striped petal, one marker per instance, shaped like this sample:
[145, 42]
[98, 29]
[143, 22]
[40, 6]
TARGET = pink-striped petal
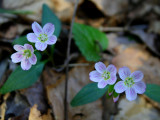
[131, 94]
[100, 67]
[137, 76]
[25, 64]
[17, 57]
[33, 59]
[102, 84]
[18, 47]
[120, 87]
[95, 76]
[139, 87]
[112, 69]
[124, 72]
[37, 28]
[51, 40]
[32, 37]
[40, 46]
[112, 80]
[29, 47]
[48, 29]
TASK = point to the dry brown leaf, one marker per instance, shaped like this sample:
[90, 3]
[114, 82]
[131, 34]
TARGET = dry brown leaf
[111, 7]
[34, 113]
[3, 107]
[55, 92]
[11, 32]
[47, 116]
[132, 57]
[29, 5]
[62, 8]
[150, 39]
[36, 95]
[93, 22]
[151, 71]
[137, 58]
[139, 109]
[155, 26]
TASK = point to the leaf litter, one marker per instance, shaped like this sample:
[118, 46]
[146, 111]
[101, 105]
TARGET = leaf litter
[44, 100]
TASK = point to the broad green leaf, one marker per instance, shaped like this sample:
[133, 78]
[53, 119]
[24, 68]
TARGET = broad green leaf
[88, 94]
[20, 79]
[15, 11]
[21, 40]
[38, 55]
[90, 41]
[153, 91]
[49, 17]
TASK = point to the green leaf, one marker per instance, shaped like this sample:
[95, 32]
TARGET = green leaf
[49, 17]
[21, 40]
[38, 55]
[88, 94]
[17, 12]
[20, 79]
[153, 91]
[90, 41]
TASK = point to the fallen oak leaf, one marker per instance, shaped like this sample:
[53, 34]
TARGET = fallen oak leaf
[35, 113]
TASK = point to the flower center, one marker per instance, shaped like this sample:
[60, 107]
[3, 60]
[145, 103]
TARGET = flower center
[129, 82]
[106, 75]
[27, 53]
[43, 37]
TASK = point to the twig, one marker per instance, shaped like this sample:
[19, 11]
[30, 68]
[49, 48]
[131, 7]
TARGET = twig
[79, 64]
[67, 67]
[110, 29]
[6, 40]
[62, 67]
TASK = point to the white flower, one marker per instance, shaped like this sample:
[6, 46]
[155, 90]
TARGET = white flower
[131, 83]
[103, 75]
[42, 36]
[25, 55]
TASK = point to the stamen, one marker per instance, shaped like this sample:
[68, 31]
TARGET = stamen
[27, 53]
[129, 82]
[106, 75]
[43, 38]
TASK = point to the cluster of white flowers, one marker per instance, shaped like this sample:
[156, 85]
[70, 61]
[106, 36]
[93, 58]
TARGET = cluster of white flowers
[130, 83]
[41, 37]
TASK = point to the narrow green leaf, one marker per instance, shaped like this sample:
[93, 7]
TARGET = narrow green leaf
[20, 79]
[88, 94]
[21, 40]
[17, 12]
[90, 41]
[49, 17]
[153, 91]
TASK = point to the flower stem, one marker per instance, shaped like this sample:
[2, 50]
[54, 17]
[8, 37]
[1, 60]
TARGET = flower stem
[67, 65]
